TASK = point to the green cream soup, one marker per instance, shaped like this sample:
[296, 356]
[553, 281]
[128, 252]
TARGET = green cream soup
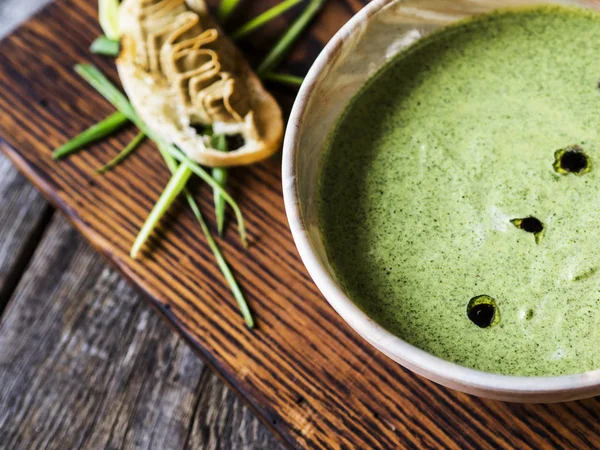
[460, 196]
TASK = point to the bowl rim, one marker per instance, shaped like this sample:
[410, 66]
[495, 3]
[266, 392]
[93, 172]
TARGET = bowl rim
[383, 340]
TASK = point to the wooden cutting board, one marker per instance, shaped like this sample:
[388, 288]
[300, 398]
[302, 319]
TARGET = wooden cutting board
[313, 380]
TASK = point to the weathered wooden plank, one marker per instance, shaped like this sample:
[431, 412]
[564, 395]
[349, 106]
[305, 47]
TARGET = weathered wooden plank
[13, 12]
[69, 349]
[217, 428]
[84, 363]
[22, 221]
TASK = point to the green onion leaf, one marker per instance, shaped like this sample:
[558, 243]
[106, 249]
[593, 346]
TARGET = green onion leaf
[128, 150]
[221, 262]
[174, 187]
[105, 46]
[283, 78]
[280, 50]
[225, 9]
[219, 142]
[109, 91]
[200, 172]
[108, 16]
[93, 133]
[264, 18]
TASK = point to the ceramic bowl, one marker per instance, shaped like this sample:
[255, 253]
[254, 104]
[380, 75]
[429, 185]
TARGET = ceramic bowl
[364, 44]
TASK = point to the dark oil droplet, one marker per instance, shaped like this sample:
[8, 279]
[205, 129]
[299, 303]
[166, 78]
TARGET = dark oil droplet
[530, 225]
[571, 159]
[482, 315]
[483, 311]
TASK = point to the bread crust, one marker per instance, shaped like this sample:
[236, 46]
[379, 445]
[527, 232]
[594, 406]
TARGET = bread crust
[179, 69]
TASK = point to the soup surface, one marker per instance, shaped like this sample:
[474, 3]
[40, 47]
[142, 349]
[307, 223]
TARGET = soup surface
[460, 196]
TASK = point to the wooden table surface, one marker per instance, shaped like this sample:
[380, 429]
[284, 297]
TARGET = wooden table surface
[83, 363]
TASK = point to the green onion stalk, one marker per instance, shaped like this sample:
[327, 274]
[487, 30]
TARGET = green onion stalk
[176, 184]
[221, 262]
[105, 46]
[283, 78]
[128, 150]
[273, 59]
[219, 142]
[98, 131]
[289, 38]
[108, 16]
[93, 76]
[264, 18]
[225, 10]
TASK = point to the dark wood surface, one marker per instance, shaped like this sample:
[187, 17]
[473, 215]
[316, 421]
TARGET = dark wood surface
[310, 377]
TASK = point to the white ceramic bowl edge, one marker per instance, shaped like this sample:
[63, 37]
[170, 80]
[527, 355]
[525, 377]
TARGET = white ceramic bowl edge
[360, 47]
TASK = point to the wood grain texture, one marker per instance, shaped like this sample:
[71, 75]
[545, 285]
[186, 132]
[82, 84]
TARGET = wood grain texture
[25, 214]
[311, 378]
[84, 363]
[214, 428]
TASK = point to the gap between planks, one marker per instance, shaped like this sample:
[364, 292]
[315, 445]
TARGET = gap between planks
[25, 216]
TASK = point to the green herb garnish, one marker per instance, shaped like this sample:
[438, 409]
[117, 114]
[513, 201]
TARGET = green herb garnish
[173, 188]
[109, 91]
[93, 76]
[108, 16]
[219, 142]
[264, 18]
[200, 172]
[105, 46]
[284, 78]
[281, 49]
[98, 131]
[182, 172]
[221, 262]
[128, 150]
[225, 9]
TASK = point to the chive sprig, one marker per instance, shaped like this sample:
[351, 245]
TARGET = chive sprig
[264, 18]
[182, 168]
[102, 129]
[105, 46]
[128, 150]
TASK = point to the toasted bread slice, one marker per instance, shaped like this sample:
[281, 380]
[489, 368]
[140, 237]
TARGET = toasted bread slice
[182, 75]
